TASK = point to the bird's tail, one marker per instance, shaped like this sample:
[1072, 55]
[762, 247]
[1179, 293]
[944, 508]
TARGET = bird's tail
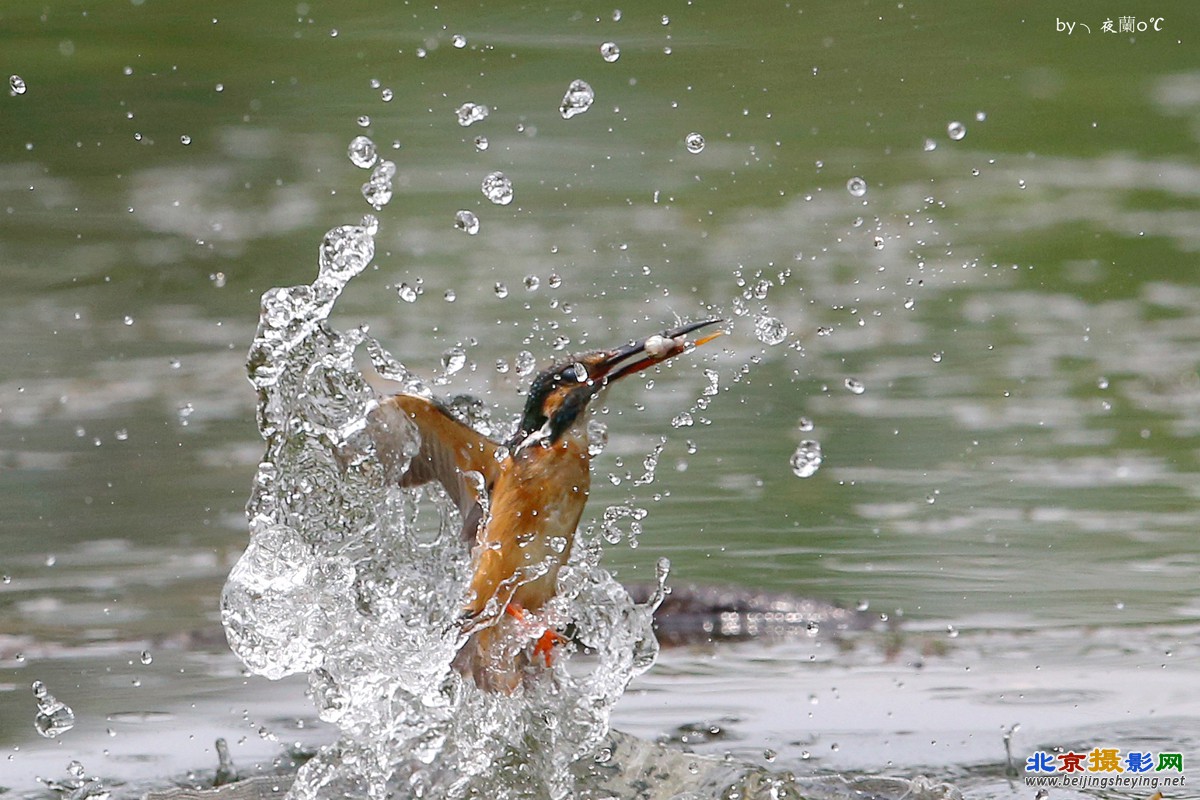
[495, 657]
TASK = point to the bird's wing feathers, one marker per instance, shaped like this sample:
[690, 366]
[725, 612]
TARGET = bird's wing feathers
[448, 449]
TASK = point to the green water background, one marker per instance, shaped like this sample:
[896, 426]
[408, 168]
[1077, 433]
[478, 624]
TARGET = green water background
[1019, 305]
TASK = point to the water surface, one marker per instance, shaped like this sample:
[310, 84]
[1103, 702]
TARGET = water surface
[1016, 481]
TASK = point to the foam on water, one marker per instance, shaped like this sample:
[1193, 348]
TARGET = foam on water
[360, 584]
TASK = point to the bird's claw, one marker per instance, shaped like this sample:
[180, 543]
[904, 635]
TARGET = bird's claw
[546, 643]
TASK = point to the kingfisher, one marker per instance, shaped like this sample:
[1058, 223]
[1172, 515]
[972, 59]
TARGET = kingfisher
[520, 500]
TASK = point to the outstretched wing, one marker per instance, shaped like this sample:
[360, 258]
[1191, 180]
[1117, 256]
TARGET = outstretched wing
[448, 449]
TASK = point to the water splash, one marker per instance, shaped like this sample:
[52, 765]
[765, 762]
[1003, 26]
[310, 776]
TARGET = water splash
[359, 583]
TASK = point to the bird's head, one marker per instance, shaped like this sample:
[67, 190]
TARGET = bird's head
[559, 396]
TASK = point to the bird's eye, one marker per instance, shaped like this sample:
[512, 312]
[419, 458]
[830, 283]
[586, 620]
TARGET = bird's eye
[575, 372]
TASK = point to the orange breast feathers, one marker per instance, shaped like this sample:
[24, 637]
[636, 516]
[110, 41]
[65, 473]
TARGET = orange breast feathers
[534, 508]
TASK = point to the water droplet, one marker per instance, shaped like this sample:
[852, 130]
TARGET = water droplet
[218, 279]
[854, 385]
[449, 296]
[694, 142]
[128, 320]
[930, 145]
[458, 40]
[185, 140]
[805, 425]
[345, 252]
[682, 420]
[980, 116]
[554, 281]
[386, 95]
[578, 99]
[909, 304]
[877, 242]
[1102, 382]
[54, 717]
[121, 434]
[498, 188]
[524, 362]
[501, 290]
[481, 143]
[856, 186]
[76, 769]
[616, 15]
[952, 631]
[610, 52]
[956, 130]
[470, 113]
[937, 357]
[146, 657]
[364, 121]
[16, 84]
[597, 437]
[362, 152]
[378, 190]
[466, 221]
[532, 282]
[769, 330]
[407, 293]
[714, 383]
[453, 360]
[807, 459]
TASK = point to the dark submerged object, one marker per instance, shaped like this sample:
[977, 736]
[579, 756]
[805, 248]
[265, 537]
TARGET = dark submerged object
[696, 614]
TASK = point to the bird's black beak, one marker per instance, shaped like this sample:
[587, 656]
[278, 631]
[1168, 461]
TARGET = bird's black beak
[652, 350]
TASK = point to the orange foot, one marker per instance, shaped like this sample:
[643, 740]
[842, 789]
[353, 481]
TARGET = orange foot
[546, 642]
[545, 645]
